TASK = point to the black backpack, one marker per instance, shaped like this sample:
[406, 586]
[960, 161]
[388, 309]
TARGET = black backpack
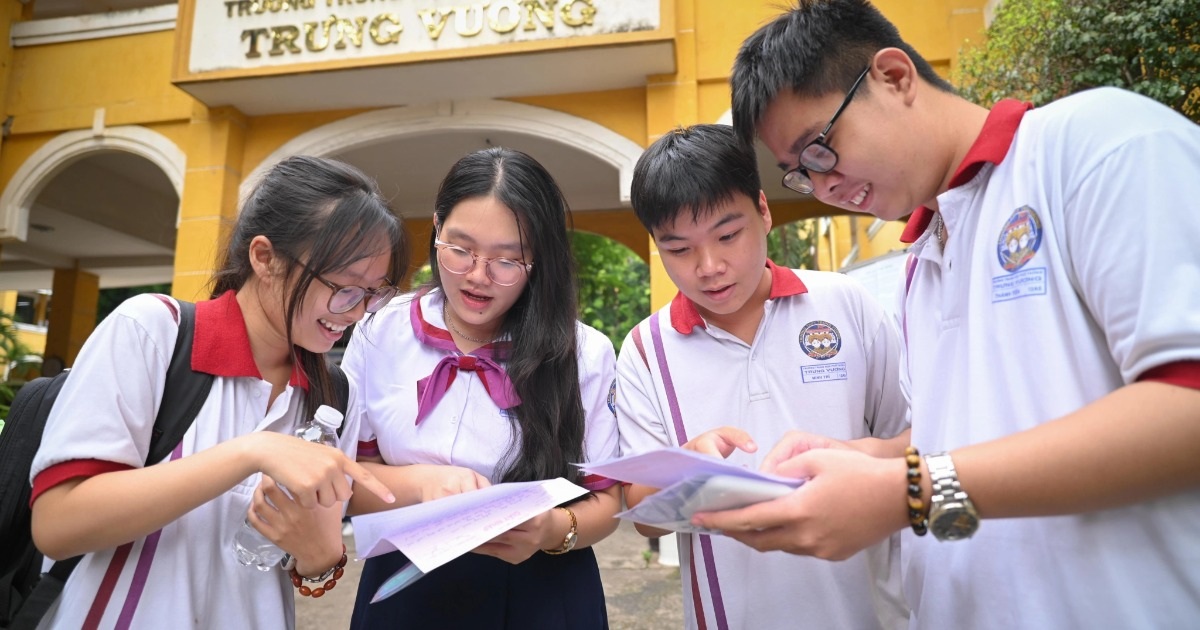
[23, 588]
[26, 594]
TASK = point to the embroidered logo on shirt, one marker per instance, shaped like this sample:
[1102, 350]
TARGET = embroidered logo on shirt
[612, 398]
[820, 340]
[1020, 239]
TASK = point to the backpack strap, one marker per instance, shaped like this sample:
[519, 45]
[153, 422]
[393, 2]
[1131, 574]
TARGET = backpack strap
[43, 596]
[183, 395]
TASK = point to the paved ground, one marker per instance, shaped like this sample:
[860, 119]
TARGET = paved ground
[641, 594]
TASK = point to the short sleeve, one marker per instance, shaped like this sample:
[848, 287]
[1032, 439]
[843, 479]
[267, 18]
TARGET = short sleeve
[597, 388]
[639, 413]
[106, 409]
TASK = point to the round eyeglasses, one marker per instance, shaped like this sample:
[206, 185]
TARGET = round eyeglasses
[817, 156]
[459, 260]
[345, 298]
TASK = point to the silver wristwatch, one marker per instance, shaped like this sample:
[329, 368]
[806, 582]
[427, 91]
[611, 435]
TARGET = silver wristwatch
[952, 515]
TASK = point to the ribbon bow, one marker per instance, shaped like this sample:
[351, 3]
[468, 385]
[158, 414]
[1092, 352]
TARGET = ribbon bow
[495, 380]
[432, 388]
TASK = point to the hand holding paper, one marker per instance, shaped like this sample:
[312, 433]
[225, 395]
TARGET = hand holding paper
[690, 482]
[433, 533]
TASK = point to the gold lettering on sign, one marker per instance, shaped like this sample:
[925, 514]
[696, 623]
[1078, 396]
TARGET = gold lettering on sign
[381, 37]
[514, 16]
[310, 34]
[253, 34]
[352, 29]
[586, 15]
[460, 19]
[258, 7]
[284, 37]
[545, 15]
[315, 36]
[435, 20]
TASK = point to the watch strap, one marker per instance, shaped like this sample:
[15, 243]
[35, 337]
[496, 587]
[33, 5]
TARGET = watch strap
[572, 534]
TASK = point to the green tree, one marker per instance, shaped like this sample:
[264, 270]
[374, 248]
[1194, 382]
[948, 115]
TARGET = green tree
[614, 285]
[11, 349]
[1041, 50]
[793, 245]
[11, 346]
[110, 299]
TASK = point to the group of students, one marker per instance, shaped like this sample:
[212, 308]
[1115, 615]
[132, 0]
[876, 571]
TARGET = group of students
[1046, 357]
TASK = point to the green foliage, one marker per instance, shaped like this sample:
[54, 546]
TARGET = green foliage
[11, 349]
[793, 245]
[614, 285]
[11, 346]
[1041, 50]
[420, 276]
[110, 299]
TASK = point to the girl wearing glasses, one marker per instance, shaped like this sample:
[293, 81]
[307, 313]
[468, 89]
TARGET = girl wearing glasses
[485, 377]
[315, 246]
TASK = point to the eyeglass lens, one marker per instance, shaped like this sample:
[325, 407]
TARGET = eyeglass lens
[818, 156]
[346, 298]
[457, 260]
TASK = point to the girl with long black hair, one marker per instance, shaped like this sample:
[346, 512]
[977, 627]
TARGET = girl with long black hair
[486, 376]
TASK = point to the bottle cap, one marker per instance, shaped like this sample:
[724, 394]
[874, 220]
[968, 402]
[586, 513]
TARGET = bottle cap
[328, 417]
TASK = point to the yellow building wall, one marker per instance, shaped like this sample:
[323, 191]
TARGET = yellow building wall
[137, 90]
[222, 144]
[623, 111]
[937, 29]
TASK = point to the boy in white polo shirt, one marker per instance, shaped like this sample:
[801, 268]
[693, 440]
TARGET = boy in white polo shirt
[748, 351]
[1052, 320]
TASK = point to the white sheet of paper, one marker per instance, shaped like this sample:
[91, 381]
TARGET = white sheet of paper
[668, 466]
[673, 507]
[434, 533]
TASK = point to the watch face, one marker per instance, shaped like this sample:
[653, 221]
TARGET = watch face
[569, 543]
[955, 520]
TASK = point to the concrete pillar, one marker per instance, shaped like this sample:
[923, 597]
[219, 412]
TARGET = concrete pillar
[209, 202]
[672, 100]
[72, 316]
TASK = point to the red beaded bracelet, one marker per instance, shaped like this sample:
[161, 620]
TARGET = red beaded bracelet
[329, 578]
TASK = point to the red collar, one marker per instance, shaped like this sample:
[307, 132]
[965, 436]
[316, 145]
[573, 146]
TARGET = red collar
[989, 148]
[222, 346]
[685, 316]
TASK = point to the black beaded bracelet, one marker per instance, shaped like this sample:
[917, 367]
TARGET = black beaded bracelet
[916, 507]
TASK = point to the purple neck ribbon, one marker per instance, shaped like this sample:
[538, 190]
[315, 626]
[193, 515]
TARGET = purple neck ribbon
[483, 362]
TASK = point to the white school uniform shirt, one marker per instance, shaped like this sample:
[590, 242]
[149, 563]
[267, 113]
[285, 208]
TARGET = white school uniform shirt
[825, 359]
[466, 428]
[184, 575]
[1073, 268]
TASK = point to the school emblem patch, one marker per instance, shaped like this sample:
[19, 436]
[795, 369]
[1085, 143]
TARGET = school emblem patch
[612, 398]
[820, 340]
[1020, 239]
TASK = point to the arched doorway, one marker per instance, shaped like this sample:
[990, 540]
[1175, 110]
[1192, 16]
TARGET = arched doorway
[408, 150]
[86, 212]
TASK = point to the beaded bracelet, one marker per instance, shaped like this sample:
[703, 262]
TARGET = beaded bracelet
[916, 507]
[329, 578]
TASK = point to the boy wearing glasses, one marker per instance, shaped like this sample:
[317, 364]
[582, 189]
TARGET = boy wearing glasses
[1052, 335]
[746, 352]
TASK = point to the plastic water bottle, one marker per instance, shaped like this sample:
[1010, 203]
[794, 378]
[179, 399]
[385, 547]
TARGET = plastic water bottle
[252, 548]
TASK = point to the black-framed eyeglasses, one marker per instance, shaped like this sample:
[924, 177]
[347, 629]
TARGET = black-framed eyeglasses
[817, 156]
[460, 260]
[345, 298]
